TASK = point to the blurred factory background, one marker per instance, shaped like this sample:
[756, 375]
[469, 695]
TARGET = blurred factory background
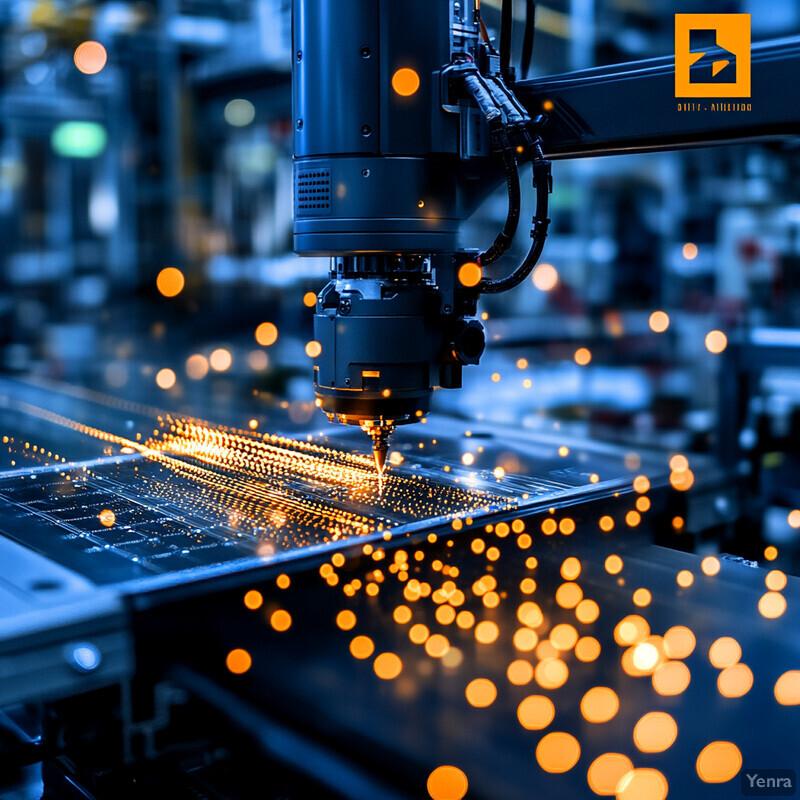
[146, 213]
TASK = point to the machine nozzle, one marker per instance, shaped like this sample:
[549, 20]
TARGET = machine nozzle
[380, 444]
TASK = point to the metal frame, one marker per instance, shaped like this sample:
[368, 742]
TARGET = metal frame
[632, 107]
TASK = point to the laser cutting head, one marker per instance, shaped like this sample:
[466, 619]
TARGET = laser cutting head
[391, 328]
[398, 116]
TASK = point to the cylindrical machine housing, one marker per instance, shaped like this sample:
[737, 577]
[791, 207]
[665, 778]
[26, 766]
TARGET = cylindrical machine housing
[377, 167]
[383, 341]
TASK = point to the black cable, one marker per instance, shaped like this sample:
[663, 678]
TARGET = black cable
[491, 96]
[542, 183]
[475, 85]
[503, 240]
[503, 99]
[486, 95]
[527, 37]
[506, 19]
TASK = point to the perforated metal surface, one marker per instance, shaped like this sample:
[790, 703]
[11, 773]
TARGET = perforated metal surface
[313, 192]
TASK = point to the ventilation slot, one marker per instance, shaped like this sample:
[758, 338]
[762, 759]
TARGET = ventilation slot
[312, 193]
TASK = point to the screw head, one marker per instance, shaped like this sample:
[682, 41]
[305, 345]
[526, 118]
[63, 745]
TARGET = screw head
[365, 52]
[365, 173]
[366, 130]
[299, 124]
[299, 55]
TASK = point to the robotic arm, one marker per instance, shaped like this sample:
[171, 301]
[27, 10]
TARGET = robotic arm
[404, 122]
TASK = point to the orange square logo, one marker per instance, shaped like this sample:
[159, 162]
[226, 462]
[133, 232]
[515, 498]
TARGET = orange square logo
[712, 55]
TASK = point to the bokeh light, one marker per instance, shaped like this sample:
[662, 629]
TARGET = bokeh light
[583, 356]
[679, 642]
[388, 666]
[772, 605]
[550, 673]
[469, 274]
[536, 712]
[239, 112]
[558, 752]
[719, 762]
[405, 82]
[257, 360]
[645, 656]
[220, 360]
[281, 620]
[716, 342]
[642, 783]
[606, 771]
[613, 564]
[587, 611]
[238, 661]
[684, 578]
[655, 732]
[587, 649]
[710, 566]
[570, 569]
[362, 647]
[346, 620]
[631, 629]
[90, 57]
[671, 678]
[447, 783]
[545, 277]
[599, 704]
[787, 688]
[170, 281]
[266, 334]
[197, 367]
[735, 681]
[481, 692]
[520, 672]
[659, 321]
[775, 580]
[642, 597]
[563, 636]
[724, 652]
[165, 378]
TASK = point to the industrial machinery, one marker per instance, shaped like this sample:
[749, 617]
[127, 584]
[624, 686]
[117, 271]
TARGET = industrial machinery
[410, 135]
[196, 610]
[398, 137]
